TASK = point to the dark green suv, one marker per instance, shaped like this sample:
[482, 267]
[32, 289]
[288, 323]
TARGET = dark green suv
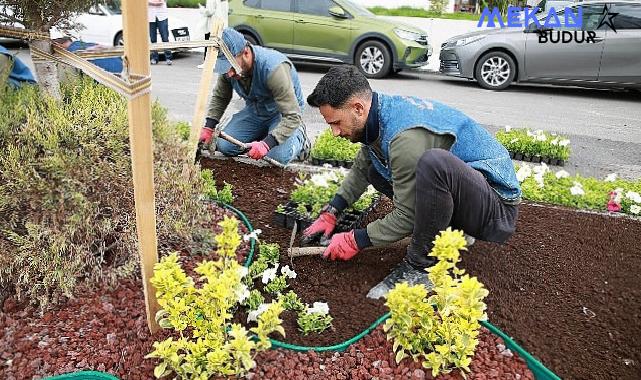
[331, 31]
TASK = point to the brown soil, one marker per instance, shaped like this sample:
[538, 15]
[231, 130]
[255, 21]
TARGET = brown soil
[105, 329]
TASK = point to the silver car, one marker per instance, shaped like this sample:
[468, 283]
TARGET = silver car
[606, 52]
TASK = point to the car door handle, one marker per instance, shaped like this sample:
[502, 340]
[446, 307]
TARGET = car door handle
[598, 39]
[301, 21]
[260, 16]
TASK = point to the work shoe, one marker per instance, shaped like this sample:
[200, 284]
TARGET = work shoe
[404, 272]
[168, 62]
[153, 61]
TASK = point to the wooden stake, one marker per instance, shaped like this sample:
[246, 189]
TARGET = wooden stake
[203, 90]
[136, 34]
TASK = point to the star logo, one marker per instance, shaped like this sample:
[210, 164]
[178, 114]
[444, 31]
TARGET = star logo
[607, 18]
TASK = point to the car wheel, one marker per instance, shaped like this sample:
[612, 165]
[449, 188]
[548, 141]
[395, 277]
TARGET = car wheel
[495, 70]
[373, 59]
[119, 40]
[251, 39]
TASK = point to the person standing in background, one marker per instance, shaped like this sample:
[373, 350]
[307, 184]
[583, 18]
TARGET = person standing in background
[158, 18]
[213, 9]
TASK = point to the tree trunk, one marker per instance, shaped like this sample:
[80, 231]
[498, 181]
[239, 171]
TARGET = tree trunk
[46, 71]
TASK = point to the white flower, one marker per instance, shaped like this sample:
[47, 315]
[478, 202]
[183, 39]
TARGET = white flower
[635, 209]
[242, 271]
[611, 177]
[254, 314]
[253, 235]
[514, 141]
[541, 137]
[288, 272]
[530, 134]
[564, 142]
[538, 177]
[327, 166]
[555, 141]
[562, 174]
[633, 196]
[577, 189]
[319, 180]
[269, 274]
[541, 169]
[524, 172]
[508, 128]
[242, 292]
[318, 308]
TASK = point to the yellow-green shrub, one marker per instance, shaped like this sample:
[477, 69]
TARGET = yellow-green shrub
[66, 193]
[210, 344]
[441, 329]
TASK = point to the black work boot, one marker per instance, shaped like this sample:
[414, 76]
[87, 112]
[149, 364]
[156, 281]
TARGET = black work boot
[404, 272]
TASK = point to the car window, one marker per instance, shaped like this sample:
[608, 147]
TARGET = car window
[629, 16]
[276, 5]
[591, 18]
[251, 3]
[317, 7]
[113, 6]
[358, 9]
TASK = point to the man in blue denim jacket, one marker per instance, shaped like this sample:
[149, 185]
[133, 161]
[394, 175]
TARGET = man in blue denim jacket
[271, 122]
[438, 166]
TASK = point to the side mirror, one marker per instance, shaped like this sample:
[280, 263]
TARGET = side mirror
[337, 11]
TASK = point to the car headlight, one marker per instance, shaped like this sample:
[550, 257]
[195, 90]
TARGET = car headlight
[406, 35]
[465, 41]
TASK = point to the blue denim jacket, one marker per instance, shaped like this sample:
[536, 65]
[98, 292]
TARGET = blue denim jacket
[472, 143]
[259, 98]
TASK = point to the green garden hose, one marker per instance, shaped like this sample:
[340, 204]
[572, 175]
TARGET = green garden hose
[538, 369]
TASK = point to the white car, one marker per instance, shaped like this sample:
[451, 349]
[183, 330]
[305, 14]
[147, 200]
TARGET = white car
[103, 25]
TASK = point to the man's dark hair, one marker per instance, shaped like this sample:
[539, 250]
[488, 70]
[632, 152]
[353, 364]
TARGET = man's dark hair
[338, 86]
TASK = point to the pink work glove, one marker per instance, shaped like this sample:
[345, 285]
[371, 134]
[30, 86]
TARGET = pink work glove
[342, 247]
[205, 135]
[258, 149]
[324, 224]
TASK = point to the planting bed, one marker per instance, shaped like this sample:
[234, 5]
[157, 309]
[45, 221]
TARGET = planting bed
[539, 284]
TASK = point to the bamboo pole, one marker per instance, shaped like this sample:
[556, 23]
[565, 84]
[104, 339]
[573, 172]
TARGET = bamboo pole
[136, 36]
[317, 251]
[203, 89]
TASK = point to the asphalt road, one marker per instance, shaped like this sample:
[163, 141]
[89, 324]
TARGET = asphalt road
[604, 126]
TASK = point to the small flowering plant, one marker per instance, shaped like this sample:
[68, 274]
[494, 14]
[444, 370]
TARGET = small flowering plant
[329, 147]
[313, 193]
[537, 143]
[201, 311]
[441, 329]
[314, 319]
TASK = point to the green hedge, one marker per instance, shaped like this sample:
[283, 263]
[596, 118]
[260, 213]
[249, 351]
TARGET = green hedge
[419, 12]
[66, 195]
[185, 3]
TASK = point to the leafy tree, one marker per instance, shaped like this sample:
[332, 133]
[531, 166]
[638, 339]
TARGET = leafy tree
[41, 16]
